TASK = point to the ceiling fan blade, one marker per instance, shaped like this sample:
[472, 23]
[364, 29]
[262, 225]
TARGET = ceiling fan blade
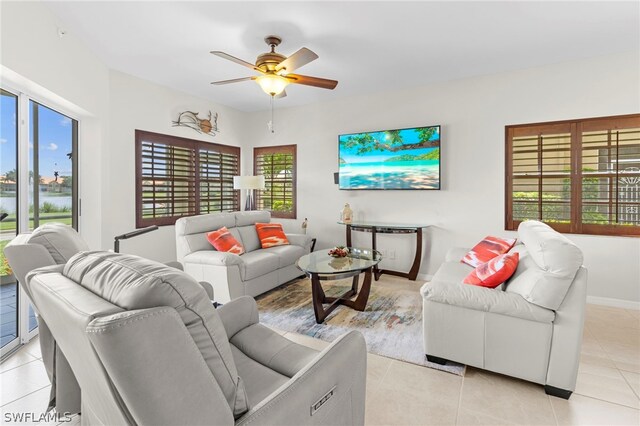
[312, 81]
[295, 61]
[236, 60]
[235, 80]
[281, 95]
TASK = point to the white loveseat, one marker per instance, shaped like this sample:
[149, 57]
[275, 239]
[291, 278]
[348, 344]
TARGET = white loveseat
[530, 327]
[250, 274]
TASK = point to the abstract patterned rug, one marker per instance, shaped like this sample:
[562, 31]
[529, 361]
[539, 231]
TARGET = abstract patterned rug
[391, 323]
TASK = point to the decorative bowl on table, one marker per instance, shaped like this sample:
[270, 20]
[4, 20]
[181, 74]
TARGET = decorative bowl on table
[339, 251]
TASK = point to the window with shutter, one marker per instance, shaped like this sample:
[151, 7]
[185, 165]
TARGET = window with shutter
[278, 166]
[579, 176]
[177, 177]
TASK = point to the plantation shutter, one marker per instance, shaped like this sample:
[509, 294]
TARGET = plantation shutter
[579, 176]
[218, 166]
[610, 175]
[178, 177]
[541, 171]
[167, 182]
[278, 166]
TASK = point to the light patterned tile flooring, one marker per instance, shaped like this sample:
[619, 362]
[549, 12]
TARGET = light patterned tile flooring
[398, 393]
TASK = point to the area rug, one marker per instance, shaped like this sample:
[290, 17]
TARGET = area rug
[391, 323]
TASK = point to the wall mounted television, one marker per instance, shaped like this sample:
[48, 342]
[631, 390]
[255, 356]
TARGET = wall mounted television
[390, 159]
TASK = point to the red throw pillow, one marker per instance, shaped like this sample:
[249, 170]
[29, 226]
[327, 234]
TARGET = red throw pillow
[494, 272]
[487, 249]
[222, 240]
[271, 235]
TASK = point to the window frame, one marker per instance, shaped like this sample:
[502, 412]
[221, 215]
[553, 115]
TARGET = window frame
[576, 128]
[195, 146]
[280, 149]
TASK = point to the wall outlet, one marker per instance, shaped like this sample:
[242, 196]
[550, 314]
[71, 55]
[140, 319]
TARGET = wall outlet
[392, 254]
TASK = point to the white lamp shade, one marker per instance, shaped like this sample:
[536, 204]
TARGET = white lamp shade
[248, 182]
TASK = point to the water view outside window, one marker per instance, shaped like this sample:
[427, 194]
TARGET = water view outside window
[49, 185]
[8, 202]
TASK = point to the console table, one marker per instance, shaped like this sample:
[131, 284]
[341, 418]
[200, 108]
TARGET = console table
[390, 228]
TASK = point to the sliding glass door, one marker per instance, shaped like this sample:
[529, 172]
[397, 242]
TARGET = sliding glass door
[38, 185]
[9, 297]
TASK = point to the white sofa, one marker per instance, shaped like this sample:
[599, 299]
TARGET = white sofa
[531, 327]
[250, 274]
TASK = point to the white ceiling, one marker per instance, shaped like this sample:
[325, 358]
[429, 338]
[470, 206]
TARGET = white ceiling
[367, 46]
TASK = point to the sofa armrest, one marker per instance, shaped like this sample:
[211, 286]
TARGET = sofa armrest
[330, 390]
[238, 314]
[456, 254]
[301, 240]
[212, 257]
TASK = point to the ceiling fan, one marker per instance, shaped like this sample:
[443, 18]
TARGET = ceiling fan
[276, 69]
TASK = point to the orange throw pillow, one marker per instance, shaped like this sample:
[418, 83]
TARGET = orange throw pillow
[494, 272]
[271, 235]
[487, 249]
[222, 240]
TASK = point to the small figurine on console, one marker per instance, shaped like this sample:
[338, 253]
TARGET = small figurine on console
[347, 214]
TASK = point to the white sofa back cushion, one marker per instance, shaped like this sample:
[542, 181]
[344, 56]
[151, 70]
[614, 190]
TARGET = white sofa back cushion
[191, 232]
[548, 264]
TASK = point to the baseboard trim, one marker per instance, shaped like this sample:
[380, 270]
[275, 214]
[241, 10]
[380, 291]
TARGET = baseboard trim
[615, 303]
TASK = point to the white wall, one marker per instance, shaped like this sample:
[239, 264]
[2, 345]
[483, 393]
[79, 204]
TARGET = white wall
[139, 104]
[30, 47]
[473, 113]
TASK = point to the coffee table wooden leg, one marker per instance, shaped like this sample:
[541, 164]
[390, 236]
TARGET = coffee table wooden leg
[354, 284]
[318, 297]
[360, 303]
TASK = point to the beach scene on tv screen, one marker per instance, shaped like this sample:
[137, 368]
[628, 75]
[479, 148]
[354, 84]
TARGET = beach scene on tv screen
[391, 159]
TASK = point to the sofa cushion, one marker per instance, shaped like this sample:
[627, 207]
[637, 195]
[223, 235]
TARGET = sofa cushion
[484, 299]
[61, 241]
[191, 232]
[222, 240]
[287, 255]
[249, 237]
[494, 272]
[257, 263]
[131, 282]
[548, 264]
[487, 249]
[271, 235]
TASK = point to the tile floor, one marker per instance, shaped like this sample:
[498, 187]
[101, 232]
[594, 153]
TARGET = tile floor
[398, 393]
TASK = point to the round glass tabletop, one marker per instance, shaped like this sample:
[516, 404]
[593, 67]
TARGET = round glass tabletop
[357, 259]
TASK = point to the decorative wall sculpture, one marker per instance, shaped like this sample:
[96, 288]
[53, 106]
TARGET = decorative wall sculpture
[191, 120]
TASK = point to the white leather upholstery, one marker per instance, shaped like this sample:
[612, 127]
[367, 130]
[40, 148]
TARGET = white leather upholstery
[252, 273]
[512, 332]
[549, 264]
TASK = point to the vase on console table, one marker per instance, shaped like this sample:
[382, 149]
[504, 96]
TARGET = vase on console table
[347, 213]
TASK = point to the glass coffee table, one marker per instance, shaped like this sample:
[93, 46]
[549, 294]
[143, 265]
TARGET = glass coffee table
[319, 266]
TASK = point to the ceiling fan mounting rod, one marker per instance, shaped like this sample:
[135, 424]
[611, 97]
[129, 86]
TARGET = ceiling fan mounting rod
[273, 41]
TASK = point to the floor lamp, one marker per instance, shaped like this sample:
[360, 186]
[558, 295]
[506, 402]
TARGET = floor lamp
[250, 183]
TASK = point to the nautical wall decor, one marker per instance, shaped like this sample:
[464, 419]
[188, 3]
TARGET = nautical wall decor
[191, 120]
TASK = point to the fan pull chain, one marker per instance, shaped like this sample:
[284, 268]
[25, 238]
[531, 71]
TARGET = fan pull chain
[271, 127]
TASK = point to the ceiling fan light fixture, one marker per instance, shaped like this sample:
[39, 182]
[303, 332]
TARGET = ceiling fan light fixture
[272, 84]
